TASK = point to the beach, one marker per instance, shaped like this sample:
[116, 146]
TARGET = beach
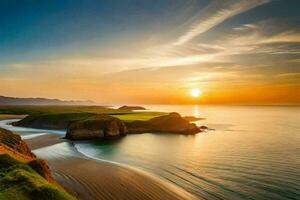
[87, 178]
[253, 154]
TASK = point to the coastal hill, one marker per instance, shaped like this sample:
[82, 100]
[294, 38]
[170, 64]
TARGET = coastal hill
[94, 122]
[169, 123]
[40, 101]
[105, 126]
[22, 175]
[83, 126]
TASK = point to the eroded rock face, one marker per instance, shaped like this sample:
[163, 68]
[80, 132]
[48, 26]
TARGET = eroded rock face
[172, 123]
[96, 128]
[41, 167]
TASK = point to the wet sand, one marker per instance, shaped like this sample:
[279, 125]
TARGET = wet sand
[92, 179]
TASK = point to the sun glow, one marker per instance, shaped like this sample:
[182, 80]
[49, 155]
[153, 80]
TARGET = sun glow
[195, 92]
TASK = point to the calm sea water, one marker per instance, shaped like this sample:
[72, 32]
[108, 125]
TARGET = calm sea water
[253, 153]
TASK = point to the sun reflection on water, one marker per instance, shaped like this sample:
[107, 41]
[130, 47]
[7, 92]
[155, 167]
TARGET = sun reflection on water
[196, 110]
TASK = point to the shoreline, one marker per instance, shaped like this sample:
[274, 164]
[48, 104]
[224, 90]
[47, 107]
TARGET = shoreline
[142, 172]
[90, 178]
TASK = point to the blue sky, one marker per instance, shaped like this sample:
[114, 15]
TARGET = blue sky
[134, 46]
[30, 28]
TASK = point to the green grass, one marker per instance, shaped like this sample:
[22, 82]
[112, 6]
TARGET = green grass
[37, 110]
[73, 113]
[69, 117]
[60, 121]
[54, 118]
[18, 181]
[143, 116]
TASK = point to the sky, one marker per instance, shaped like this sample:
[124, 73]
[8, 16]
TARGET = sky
[151, 51]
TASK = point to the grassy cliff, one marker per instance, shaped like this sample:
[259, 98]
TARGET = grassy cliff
[22, 175]
[59, 117]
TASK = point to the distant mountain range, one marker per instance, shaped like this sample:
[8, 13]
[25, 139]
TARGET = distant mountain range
[40, 101]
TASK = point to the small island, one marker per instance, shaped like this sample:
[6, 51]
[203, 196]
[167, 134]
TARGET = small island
[131, 108]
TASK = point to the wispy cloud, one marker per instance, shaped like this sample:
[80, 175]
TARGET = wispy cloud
[245, 27]
[216, 13]
[288, 37]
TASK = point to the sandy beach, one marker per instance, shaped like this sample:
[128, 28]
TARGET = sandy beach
[92, 179]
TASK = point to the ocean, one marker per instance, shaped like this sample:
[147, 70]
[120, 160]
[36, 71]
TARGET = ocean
[253, 152]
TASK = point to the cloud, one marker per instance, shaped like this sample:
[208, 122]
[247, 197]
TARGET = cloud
[216, 13]
[262, 38]
[266, 38]
[245, 27]
[228, 47]
[285, 37]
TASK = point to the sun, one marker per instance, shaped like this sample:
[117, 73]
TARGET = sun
[195, 92]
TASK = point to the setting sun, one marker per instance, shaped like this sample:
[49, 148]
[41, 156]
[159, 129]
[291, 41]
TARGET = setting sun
[195, 92]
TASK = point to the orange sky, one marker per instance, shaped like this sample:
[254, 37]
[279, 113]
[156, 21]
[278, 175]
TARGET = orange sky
[235, 52]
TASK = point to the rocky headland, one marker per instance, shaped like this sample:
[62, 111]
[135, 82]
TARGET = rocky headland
[171, 123]
[110, 127]
[86, 126]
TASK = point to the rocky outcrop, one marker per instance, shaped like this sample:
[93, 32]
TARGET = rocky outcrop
[171, 123]
[130, 108]
[193, 119]
[204, 128]
[96, 128]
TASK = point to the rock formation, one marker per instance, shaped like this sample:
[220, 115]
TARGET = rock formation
[171, 123]
[87, 126]
[102, 126]
[192, 118]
